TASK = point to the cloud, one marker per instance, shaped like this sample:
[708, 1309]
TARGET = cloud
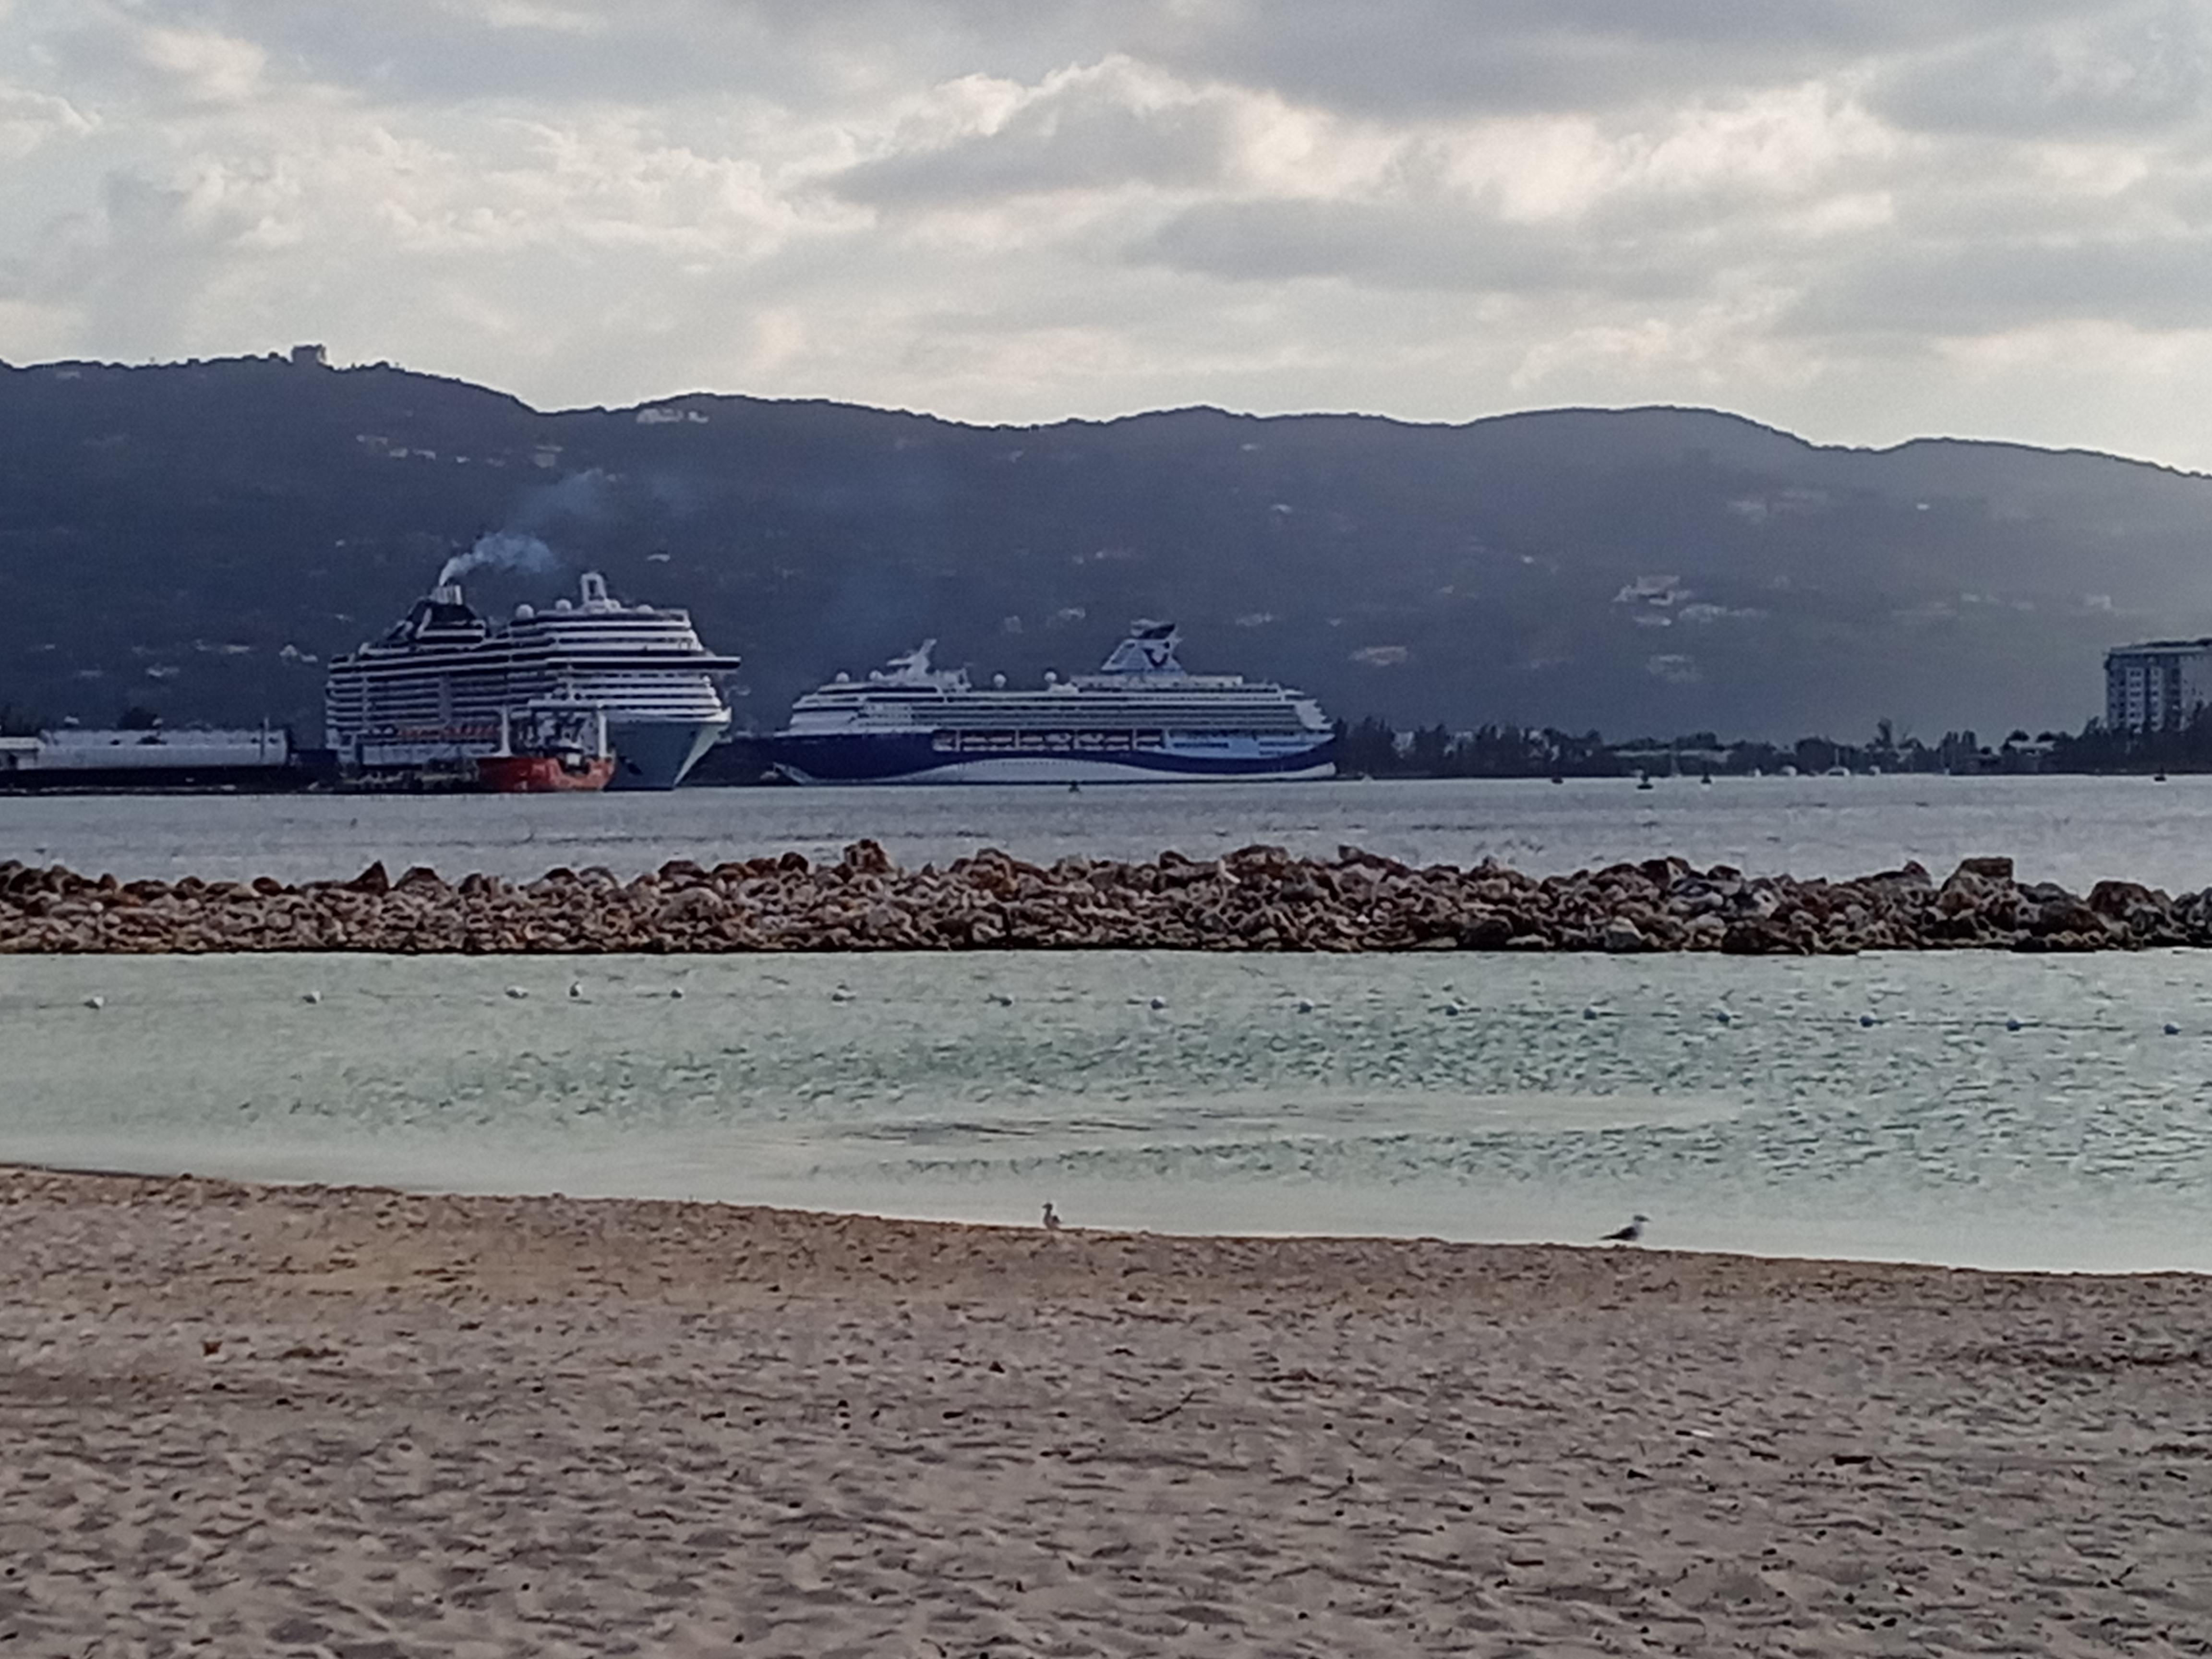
[108, 49]
[30, 120]
[203, 66]
[1440, 57]
[1999, 286]
[1861, 219]
[1095, 128]
[2143, 70]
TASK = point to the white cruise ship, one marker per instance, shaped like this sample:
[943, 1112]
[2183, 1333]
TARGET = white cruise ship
[432, 691]
[1140, 717]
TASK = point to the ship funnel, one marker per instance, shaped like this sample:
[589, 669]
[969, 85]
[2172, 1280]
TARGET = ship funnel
[447, 593]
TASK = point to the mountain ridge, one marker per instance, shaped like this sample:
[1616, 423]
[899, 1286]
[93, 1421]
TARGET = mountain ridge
[1658, 568]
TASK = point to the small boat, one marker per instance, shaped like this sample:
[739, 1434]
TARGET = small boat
[565, 750]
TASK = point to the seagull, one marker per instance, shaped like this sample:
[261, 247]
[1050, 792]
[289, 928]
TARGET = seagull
[1629, 1234]
[1051, 1218]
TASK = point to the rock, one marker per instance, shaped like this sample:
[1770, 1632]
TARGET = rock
[1257, 898]
[1484, 930]
[1754, 938]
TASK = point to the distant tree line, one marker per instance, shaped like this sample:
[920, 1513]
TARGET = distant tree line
[1373, 748]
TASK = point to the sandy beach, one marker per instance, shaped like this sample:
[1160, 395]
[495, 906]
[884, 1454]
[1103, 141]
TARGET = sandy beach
[363, 1423]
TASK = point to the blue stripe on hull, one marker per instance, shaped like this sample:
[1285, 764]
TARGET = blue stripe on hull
[915, 758]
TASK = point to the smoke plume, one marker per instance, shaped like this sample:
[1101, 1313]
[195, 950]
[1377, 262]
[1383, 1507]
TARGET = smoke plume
[502, 550]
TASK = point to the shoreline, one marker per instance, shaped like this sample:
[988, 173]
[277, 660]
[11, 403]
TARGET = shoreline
[1166, 1234]
[125, 1187]
[1260, 898]
[355, 1420]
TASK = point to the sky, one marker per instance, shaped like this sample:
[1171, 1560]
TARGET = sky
[1862, 220]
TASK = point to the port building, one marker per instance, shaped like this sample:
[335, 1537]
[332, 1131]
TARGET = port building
[2156, 685]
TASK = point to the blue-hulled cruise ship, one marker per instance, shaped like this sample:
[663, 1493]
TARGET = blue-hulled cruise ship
[432, 692]
[1141, 717]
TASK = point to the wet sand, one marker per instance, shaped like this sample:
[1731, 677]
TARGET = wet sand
[360, 1423]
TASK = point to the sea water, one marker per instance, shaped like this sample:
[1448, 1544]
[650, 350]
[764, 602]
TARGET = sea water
[2075, 830]
[1968, 1107]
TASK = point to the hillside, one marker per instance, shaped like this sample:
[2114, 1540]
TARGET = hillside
[200, 538]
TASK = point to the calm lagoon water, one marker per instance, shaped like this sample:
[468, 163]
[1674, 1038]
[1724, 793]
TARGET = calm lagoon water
[1999, 1110]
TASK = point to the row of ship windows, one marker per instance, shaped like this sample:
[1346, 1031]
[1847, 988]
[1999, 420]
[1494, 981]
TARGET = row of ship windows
[353, 714]
[528, 685]
[1005, 715]
[450, 637]
[1206, 727]
[667, 638]
[513, 662]
[1059, 698]
[531, 683]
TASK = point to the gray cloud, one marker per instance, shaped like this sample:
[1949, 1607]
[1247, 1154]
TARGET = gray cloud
[1411, 244]
[2144, 70]
[1857, 217]
[1085, 132]
[132, 264]
[1431, 55]
[2152, 283]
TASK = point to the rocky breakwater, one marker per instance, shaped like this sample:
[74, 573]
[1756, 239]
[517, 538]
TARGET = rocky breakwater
[1261, 898]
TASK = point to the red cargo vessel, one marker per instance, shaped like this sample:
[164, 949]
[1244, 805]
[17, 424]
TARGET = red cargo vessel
[564, 750]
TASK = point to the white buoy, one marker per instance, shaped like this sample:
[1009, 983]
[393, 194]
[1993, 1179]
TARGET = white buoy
[2171, 1030]
[2012, 1025]
[841, 994]
[517, 992]
[675, 990]
[1723, 1015]
[1002, 999]
[1158, 1003]
[1305, 1006]
[311, 996]
[576, 989]
[1589, 1014]
[95, 1003]
[1451, 1008]
[1865, 1021]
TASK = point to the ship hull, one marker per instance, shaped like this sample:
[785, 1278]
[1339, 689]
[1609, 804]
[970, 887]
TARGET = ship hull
[658, 754]
[199, 780]
[543, 774]
[924, 758]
